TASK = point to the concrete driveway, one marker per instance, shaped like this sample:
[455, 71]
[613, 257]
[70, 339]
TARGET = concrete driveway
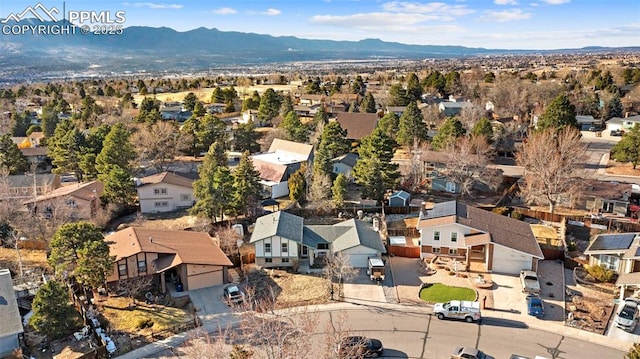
[361, 289]
[615, 332]
[209, 302]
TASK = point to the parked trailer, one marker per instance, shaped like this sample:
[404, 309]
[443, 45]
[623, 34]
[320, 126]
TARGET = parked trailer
[376, 269]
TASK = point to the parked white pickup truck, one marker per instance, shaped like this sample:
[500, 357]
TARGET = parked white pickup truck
[458, 309]
[529, 281]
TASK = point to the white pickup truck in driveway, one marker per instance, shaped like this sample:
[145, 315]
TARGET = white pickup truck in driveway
[529, 281]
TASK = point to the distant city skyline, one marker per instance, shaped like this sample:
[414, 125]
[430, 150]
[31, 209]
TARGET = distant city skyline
[497, 24]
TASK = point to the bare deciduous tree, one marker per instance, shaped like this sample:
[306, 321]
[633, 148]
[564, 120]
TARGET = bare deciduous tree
[228, 240]
[131, 287]
[470, 115]
[337, 268]
[467, 163]
[552, 165]
[158, 143]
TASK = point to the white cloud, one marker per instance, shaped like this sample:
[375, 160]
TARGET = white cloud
[427, 8]
[375, 20]
[224, 11]
[272, 12]
[556, 2]
[504, 16]
[505, 2]
[152, 5]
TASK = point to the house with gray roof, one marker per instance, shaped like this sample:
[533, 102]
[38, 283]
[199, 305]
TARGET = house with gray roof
[10, 318]
[344, 164]
[619, 252]
[282, 240]
[478, 238]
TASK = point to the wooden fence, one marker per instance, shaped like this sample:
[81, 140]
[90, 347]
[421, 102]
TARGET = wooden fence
[402, 251]
[406, 232]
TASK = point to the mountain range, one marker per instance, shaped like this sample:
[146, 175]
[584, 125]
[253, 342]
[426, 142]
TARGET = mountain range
[164, 49]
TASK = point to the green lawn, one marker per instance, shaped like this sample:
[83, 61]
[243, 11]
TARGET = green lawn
[439, 293]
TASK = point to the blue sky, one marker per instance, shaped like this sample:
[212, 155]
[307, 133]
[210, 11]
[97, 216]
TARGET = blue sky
[503, 24]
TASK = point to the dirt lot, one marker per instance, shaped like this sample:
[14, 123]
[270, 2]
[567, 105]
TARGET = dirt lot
[625, 169]
[290, 289]
[31, 258]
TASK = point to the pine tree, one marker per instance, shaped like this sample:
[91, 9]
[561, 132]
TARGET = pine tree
[246, 138]
[339, 190]
[614, 108]
[66, 148]
[246, 186]
[11, 158]
[269, 105]
[19, 124]
[447, 134]
[398, 96]
[411, 127]
[332, 143]
[214, 186]
[628, 149]
[483, 128]
[414, 89]
[189, 101]
[294, 128]
[210, 129]
[368, 104]
[375, 171]
[559, 114]
[297, 185]
[390, 124]
[117, 150]
[53, 314]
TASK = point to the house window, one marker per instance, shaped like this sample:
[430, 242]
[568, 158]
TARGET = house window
[435, 250]
[122, 270]
[142, 266]
[453, 251]
[436, 235]
[267, 247]
[185, 197]
[159, 191]
[268, 260]
[323, 245]
[161, 204]
[610, 262]
[285, 247]
[70, 202]
[285, 260]
[454, 237]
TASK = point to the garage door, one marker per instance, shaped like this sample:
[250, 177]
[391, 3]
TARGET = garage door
[206, 279]
[360, 260]
[510, 266]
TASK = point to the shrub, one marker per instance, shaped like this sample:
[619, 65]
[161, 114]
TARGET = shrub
[600, 273]
[503, 211]
[517, 215]
[144, 323]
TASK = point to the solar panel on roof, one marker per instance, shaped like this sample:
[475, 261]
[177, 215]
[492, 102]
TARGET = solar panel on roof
[443, 210]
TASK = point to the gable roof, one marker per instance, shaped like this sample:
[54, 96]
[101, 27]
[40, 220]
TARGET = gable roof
[167, 177]
[9, 313]
[344, 235]
[280, 224]
[401, 194]
[42, 179]
[504, 231]
[611, 243]
[350, 159]
[85, 191]
[607, 189]
[290, 146]
[357, 125]
[187, 246]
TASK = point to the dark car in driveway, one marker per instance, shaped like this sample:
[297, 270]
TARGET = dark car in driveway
[353, 347]
[535, 306]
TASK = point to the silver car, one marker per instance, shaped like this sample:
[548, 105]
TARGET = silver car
[627, 317]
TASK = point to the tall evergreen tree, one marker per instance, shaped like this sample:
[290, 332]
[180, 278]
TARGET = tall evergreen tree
[246, 186]
[414, 89]
[66, 148]
[333, 143]
[614, 108]
[210, 129]
[297, 185]
[292, 125]
[117, 150]
[11, 158]
[49, 120]
[368, 104]
[339, 190]
[390, 124]
[214, 186]
[398, 95]
[628, 149]
[246, 138]
[19, 124]
[411, 127]
[483, 128]
[269, 105]
[53, 314]
[447, 134]
[119, 187]
[376, 153]
[559, 114]
[189, 101]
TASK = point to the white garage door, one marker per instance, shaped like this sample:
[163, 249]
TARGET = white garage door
[360, 260]
[510, 266]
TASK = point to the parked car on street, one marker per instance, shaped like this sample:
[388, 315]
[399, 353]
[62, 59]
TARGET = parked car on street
[535, 306]
[467, 353]
[458, 309]
[627, 317]
[359, 347]
[617, 133]
[233, 295]
[529, 281]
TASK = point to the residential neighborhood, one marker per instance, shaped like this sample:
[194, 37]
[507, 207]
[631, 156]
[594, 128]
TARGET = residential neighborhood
[160, 216]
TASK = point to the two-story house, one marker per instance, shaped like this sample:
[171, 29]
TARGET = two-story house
[165, 192]
[77, 201]
[279, 163]
[282, 239]
[23, 187]
[619, 252]
[491, 241]
[192, 259]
